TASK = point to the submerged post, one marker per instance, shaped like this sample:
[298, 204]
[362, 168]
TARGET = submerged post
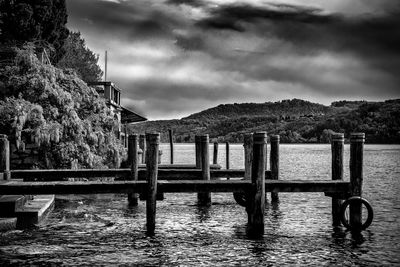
[204, 198]
[4, 158]
[171, 146]
[133, 162]
[337, 146]
[227, 155]
[356, 177]
[215, 155]
[256, 203]
[142, 146]
[153, 140]
[274, 162]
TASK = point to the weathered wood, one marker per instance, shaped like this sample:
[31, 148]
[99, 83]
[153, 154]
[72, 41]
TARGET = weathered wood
[171, 146]
[197, 149]
[133, 162]
[123, 174]
[248, 155]
[153, 140]
[227, 155]
[215, 154]
[274, 163]
[17, 187]
[356, 177]
[4, 158]
[256, 200]
[241, 198]
[142, 146]
[204, 198]
[337, 147]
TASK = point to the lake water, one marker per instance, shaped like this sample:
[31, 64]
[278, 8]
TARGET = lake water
[103, 230]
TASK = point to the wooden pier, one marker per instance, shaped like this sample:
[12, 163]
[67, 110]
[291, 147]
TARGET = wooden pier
[249, 185]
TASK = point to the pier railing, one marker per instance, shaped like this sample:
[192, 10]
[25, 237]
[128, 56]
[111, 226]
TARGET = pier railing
[153, 178]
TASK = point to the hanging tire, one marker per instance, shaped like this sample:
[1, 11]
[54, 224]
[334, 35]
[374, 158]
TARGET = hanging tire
[346, 203]
[240, 198]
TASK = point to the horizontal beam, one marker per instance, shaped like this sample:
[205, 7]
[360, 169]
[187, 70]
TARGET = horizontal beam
[96, 187]
[123, 174]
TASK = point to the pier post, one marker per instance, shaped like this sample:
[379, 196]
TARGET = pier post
[356, 177]
[153, 140]
[256, 203]
[171, 146]
[4, 158]
[142, 146]
[248, 155]
[227, 155]
[133, 162]
[197, 151]
[204, 198]
[274, 163]
[337, 146]
[215, 155]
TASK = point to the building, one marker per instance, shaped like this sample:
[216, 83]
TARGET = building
[112, 94]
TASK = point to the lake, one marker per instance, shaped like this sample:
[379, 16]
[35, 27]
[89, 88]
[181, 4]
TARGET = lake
[103, 230]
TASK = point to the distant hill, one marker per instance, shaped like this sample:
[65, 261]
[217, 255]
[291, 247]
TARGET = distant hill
[296, 121]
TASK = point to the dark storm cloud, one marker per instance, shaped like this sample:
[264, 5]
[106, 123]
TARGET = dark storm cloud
[194, 3]
[127, 19]
[375, 40]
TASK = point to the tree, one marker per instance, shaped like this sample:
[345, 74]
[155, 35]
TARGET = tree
[67, 119]
[39, 21]
[80, 58]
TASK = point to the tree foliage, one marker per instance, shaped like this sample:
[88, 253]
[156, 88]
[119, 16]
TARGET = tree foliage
[39, 21]
[296, 121]
[59, 112]
[80, 58]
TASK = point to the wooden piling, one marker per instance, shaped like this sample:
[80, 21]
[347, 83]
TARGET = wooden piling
[356, 177]
[133, 162]
[204, 198]
[153, 140]
[337, 147]
[215, 154]
[142, 146]
[197, 151]
[4, 158]
[248, 155]
[274, 163]
[256, 200]
[227, 155]
[171, 146]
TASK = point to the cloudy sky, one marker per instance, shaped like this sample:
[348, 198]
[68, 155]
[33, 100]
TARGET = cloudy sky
[173, 58]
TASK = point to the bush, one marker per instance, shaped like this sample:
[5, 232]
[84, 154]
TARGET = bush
[58, 111]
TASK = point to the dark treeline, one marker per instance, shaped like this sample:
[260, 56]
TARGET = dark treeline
[296, 121]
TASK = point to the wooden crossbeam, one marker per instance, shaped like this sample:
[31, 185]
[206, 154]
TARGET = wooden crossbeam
[122, 174]
[96, 187]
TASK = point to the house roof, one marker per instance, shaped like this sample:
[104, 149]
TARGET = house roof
[128, 116]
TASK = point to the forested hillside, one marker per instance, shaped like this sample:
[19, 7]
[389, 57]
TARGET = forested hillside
[296, 121]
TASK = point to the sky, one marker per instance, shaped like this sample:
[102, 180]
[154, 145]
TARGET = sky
[173, 58]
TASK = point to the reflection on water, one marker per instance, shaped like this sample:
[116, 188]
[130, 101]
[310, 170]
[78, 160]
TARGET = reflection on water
[104, 230]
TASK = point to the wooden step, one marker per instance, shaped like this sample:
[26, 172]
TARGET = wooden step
[35, 211]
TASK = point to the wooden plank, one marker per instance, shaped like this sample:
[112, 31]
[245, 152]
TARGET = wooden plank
[121, 174]
[97, 187]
